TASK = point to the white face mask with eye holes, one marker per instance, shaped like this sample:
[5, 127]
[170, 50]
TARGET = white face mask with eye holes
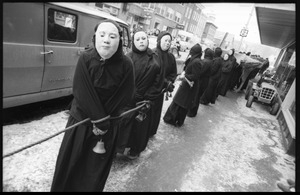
[165, 42]
[225, 57]
[107, 39]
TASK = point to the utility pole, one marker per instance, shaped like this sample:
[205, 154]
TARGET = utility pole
[244, 31]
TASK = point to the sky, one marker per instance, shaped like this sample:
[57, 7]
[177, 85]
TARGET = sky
[232, 17]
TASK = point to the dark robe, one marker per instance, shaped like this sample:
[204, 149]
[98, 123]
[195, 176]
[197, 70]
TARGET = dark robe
[225, 76]
[148, 83]
[183, 99]
[100, 88]
[236, 76]
[247, 67]
[209, 95]
[169, 73]
[203, 81]
[234, 64]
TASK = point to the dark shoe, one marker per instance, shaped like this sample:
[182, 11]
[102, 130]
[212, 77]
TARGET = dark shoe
[204, 103]
[283, 187]
[170, 123]
[132, 155]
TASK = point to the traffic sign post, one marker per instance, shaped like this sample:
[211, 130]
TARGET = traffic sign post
[244, 32]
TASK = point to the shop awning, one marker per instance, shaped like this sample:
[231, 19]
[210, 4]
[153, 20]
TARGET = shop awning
[276, 24]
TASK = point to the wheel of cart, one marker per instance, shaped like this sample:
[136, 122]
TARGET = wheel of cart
[274, 109]
[249, 91]
[250, 101]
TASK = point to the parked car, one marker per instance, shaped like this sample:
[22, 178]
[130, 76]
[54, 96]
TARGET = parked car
[264, 91]
[41, 46]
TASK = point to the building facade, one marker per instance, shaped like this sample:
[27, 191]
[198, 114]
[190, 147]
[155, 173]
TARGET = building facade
[170, 17]
[209, 34]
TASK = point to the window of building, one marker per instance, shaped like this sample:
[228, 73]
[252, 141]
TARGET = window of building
[145, 5]
[100, 5]
[162, 11]
[187, 12]
[152, 6]
[62, 26]
[170, 13]
[177, 17]
[190, 14]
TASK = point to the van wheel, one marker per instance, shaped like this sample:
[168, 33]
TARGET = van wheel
[274, 109]
[250, 101]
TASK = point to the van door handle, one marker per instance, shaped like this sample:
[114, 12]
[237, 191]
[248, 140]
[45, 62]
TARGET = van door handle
[47, 52]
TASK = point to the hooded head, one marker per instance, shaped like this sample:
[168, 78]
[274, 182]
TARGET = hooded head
[195, 52]
[164, 39]
[196, 49]
[208, 53]
[226, 56]
[107, 39]
[140, 41]
[231, 52]
[218, 52]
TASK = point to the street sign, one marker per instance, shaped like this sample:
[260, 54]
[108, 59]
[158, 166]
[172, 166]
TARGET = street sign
[244, 32]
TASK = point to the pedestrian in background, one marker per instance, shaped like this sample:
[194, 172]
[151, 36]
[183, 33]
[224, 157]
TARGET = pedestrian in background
[168, 73]
[103, 84]
[209, 95]
[203, 81]
[182, 101]
[148, 83]
[234, 64]
[225, 75]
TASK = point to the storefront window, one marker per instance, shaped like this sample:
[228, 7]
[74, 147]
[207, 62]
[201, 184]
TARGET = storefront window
[286, 72]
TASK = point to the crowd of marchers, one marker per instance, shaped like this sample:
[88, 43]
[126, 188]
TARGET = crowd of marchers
[108, 82]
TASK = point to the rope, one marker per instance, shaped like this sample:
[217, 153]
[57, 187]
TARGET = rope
[143, 103]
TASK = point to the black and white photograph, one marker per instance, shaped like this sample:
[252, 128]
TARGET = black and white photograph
[149, 97]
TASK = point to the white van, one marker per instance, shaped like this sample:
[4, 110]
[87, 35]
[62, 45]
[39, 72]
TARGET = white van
[41, 46]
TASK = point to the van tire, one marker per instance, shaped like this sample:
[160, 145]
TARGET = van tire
[274, 109]
[250, 101]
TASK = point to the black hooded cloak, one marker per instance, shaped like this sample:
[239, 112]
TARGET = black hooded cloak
[184, 96]
[169, 73]
[225, 76]
[209, 95]
[203, 81]
[148, 83]
[100, 88]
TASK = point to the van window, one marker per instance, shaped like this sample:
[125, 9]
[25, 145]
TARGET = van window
[62, 26]
[125, 37]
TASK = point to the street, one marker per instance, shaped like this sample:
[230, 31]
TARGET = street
[226, 147]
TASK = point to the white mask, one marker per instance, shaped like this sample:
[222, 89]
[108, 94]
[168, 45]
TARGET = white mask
[226, 57]
[107, 39]
[165, 42]
[141, 41]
